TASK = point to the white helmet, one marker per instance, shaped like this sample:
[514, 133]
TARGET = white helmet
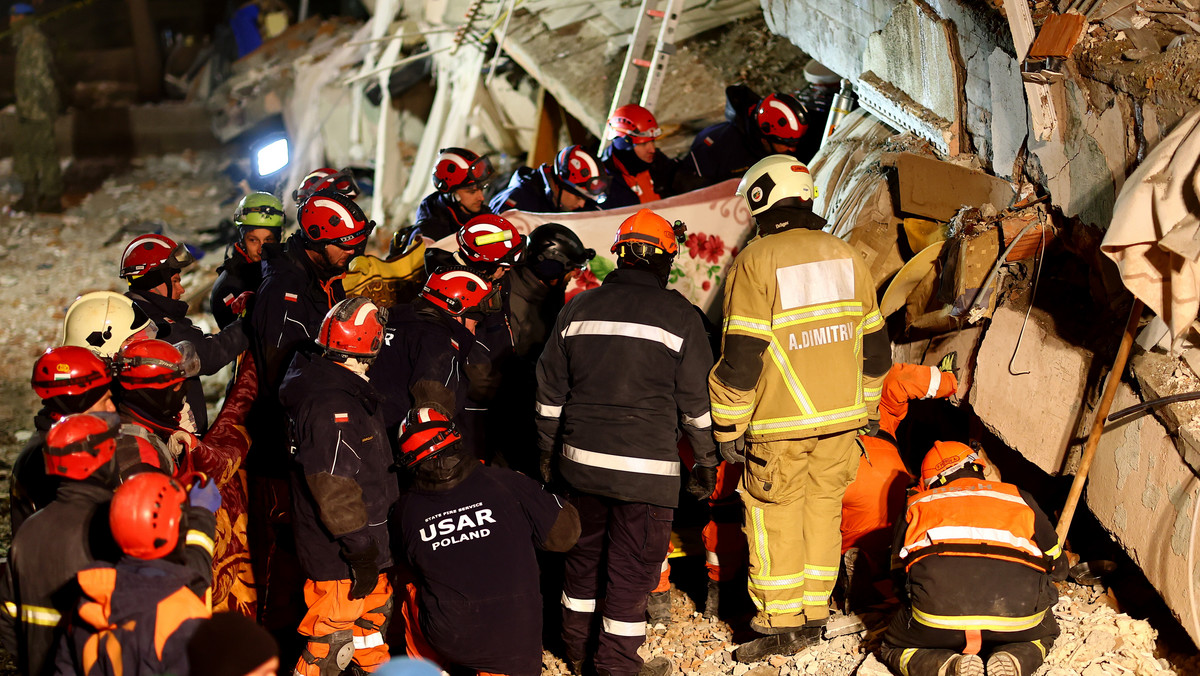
[776, 180]
[102, 321]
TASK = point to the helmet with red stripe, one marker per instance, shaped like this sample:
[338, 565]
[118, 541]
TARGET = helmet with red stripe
[782, 119]
[633, 124]
[460, 168]
[69, 370]
[352, 328]
[488, 238]
[459, 290]
[325, 178]
[329, 217]
[146, 515]
[79, 444]
[147, 253]
[149, 364]
[581, 173]
[946, 458]
[776, 181]
[424, 433]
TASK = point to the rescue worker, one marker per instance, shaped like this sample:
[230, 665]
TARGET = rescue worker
[623, 369]
[259, 218]
[35, 153]
[576, 182]
[487, 244]
[754, 128]
[104, 321]
[152, 265]
[875, 499]
[974, 560]
[62, 538]
[326, 178]
[640, 172]
[427, 345]
[459, 180]
[150, 393]
[469, 532]
[341, 492]
[807, 298]
[68, 380]
[301, 283]
[136, 617]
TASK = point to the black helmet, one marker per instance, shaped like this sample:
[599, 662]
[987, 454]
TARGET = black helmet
[554, 250]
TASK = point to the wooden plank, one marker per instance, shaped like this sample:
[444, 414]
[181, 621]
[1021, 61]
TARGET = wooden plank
[1020, 23]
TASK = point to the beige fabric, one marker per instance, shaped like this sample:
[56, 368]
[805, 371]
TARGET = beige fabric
[1155, 236]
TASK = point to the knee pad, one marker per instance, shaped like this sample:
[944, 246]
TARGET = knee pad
[341, 651]
[385, 610]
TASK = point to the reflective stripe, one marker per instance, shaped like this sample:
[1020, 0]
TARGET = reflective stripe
[712, 559]
[799, 395]
[371, 640]
[816, 598]
[830, 311]
[872, 320]
[701, 422]
[1041, 647]
[621, 463]
[760, 541]
[821, 572]
[782, 582]
[618, 628]
[781, 606]
[201, 540]
[1054, 551]
[666, 566]
[935, 381]
[978, 622]
[872, 393]
[724, 411]
[750, 325]
[803, 422]
[40, 615]
[578, 605]
[10, 608]
[595, 327]
[904, 659]
[972, 534]
[941, 495]
[547, 411]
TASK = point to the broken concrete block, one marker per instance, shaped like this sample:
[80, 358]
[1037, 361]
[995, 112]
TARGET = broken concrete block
[1161, 375]
[1052, 392]
[935, 189]
[1010, 124]
[844, 625]
[914, 53]
[872, 667]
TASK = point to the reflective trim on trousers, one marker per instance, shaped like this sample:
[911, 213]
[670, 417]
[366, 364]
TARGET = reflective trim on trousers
[369, 641]
[618, 628]
[578, 605]
[978, 622]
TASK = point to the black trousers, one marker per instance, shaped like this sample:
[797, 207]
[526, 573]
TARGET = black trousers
[611, 571]
[912, 648]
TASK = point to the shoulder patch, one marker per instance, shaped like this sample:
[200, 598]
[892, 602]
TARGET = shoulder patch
[341, 417]
[708, 140]
[291, 297]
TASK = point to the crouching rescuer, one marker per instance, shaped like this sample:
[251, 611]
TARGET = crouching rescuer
[975, 560]
[803, 357]
[341, 493]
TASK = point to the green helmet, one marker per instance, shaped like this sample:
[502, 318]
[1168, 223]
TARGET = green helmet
[259, 210]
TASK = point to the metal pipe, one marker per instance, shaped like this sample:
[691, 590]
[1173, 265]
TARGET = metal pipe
[512, 5]
[1154, 403]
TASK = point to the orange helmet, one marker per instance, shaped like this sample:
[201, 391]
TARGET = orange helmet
[647, 227]
[80, 444]
[424, 433]
[145, 514]
[945, 458]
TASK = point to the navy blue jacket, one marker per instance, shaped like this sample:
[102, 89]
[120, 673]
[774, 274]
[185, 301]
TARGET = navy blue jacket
[438, 215]
[237, 275]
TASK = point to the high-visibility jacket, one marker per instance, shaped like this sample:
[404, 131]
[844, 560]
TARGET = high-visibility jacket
[978, 556]
[905, 382]
[799, 307]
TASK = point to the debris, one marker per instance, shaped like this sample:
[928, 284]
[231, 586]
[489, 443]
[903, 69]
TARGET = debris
[1058, 36]
[936, 189]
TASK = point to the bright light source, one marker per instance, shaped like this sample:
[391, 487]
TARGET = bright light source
[272, 157]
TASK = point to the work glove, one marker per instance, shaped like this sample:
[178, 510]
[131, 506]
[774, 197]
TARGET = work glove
[870, 430]
[364, 573]
[545, 465]
[732, 451]
[205, 495]
[949, 363]
[703, 482]
[238, 305]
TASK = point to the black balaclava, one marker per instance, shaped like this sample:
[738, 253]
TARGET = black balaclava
[161, 408]
[446, 469]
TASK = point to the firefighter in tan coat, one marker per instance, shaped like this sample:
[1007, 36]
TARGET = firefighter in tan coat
[803, 357]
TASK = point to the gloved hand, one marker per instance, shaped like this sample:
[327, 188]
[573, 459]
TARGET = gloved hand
[949, 363]
[703, 482]
[204, 494]
[732, 451]
[363, 572]
[871, 430]
[545, 465]
[238, 305]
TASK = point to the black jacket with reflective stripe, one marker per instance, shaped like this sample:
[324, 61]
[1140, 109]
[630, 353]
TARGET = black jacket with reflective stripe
[625, 366]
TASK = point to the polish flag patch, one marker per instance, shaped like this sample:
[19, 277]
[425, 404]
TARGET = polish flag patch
[291, 297]
[708, 141]
[341, 417]
[228, 299]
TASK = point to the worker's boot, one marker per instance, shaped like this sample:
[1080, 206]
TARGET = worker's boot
[575, 666]
[659, 666]
[787, 642]
[658, 607]
[712, 602]
[962, 665]
[1003, 664]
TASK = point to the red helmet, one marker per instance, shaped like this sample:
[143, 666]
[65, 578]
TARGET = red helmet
[145, 514]
[782, 119]
[458, 290]
[325, 178]
[581, 173]
[353, 328]
[945, 458]
[488, 238]
[647, 227]
[79, 444]
[149, 364]
[459, 168]
[634, 123]
[69, 370]
[147, 253]
[424, 433]
[329, 217]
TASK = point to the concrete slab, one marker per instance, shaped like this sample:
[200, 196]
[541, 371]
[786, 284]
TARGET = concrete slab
[1161, 375]
[1140, 489]
[1010, 124]
[929, 351]
[1052, 393]
[913, 52]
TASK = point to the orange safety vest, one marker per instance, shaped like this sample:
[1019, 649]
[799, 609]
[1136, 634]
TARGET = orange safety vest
[972, 517]
[641, 184]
